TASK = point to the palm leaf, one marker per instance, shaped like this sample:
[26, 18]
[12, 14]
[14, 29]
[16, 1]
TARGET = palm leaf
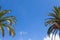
[50, 30]
[49, 22]
[11, 30]
[10, 19]
[2, 30]
[52, 15]
[2, 13]
[57, 11]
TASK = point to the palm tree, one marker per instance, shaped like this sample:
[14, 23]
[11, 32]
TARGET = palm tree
[7, 22]
[54, 22]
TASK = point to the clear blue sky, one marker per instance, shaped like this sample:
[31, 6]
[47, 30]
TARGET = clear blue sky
[30, 15]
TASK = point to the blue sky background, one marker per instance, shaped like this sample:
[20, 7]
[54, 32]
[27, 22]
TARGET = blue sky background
[30, 15]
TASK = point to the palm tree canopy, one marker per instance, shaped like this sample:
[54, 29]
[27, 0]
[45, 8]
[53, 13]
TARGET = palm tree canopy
[54, 21]
[7, 21]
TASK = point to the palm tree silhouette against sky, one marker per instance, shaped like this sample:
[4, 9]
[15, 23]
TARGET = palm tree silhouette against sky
[7, 21]
[54, 21]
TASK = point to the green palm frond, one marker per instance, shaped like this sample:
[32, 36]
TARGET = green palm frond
[2, 13]
[50, 30]
[12, 32]
[2, 30]
[57, 11]
[52, 15]
[10, 29]
[49, 22]
[10, 19]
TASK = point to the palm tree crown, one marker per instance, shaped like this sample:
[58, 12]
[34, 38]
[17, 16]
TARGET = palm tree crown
[54, 21]
[7, 21]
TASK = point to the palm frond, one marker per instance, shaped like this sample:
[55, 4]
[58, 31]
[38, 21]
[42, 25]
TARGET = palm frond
[52, 15]
[2, 13]
[49, 22]
[57, 11]
[11, 30]
[10, 19]
[2, 30]
[50, 30]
